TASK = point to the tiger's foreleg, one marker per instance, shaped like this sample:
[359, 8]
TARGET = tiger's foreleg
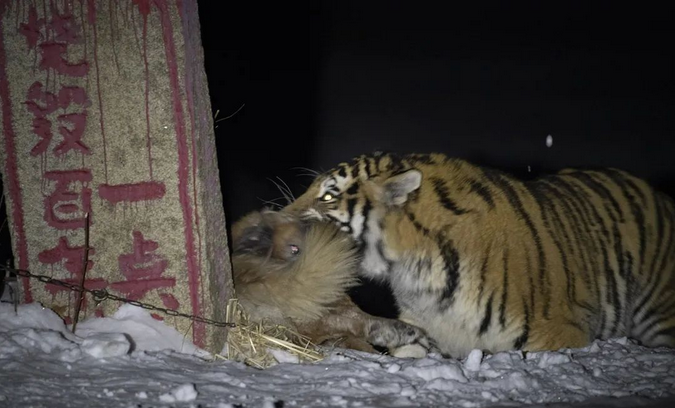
[355, 326]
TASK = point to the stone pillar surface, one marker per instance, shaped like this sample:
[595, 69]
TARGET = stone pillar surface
[105, 110]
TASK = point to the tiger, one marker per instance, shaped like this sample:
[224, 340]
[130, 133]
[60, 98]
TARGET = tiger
[297, 274]
[480, 259]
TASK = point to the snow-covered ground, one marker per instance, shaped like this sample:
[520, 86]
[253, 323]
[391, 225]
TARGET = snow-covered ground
[132, 360]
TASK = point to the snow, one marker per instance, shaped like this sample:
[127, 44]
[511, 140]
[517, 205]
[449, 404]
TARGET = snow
[185, 392]
[549, 141]
[145, 332]
[473, 360]
[106, 345]
[284, 356]
[133, 360]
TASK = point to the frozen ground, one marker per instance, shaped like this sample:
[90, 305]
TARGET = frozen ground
[43, 365]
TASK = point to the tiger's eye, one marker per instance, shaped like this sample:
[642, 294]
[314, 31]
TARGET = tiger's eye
[294, 249]
[327, 197]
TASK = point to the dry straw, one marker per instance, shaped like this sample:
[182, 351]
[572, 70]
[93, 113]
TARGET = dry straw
[250, 342]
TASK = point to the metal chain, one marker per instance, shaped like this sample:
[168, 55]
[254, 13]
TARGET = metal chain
[100, 295]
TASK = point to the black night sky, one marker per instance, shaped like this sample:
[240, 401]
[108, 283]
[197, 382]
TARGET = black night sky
[325, 81]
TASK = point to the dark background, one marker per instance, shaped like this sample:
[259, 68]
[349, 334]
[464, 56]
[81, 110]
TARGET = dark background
[324, 81]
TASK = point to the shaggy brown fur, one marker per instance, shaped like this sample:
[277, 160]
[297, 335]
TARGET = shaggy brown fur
[295, 274]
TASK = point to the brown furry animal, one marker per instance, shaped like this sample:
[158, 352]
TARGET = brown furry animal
[297, 274]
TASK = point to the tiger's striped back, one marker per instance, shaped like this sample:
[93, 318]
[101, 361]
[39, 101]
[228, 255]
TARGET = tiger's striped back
[480, 259]
[631, 227]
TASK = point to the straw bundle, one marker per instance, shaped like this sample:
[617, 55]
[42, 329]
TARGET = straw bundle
[252, 342]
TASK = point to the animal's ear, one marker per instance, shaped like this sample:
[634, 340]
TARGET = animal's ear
[250, 220]
[396, 188]
[255, 239]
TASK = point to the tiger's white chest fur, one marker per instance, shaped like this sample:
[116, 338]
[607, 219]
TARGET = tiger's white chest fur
[374, 264]
[455, 328]
[417, 283]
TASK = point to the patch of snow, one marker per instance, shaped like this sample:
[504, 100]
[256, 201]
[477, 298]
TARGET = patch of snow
[549, 141]
[182, 393]
[145, 332]
[130, 359]
[547, 359]
[106, 345]
[283, 356]
[428, 372]
[142, 395]
[473, 360]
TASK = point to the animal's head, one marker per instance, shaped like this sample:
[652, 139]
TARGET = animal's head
[286, 268]
[269, 235]
[352, 192]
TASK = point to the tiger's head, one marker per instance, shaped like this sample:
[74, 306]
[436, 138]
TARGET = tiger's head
[353, 193]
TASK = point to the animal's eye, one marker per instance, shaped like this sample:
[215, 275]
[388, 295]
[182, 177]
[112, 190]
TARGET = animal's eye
[294, 249]
[327, 197]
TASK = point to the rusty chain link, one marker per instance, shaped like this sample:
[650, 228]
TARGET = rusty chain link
[100, 295]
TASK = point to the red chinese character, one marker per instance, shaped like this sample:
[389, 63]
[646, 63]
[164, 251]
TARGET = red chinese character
[54, 57]
[65, 208]
[142, 262]
[169, 301]
[42, 103]
[63, 27]
[143, 191]
[56, 35]
[71, 257]
[31, 29]
[73, 94]
[72, 138]
[36, 94]
[143, 269]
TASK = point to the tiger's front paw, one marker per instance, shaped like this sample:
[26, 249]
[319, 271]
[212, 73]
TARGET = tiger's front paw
[410, 351]
[400, 338]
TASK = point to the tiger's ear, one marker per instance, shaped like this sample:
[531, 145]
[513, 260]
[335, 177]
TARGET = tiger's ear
[396, 188]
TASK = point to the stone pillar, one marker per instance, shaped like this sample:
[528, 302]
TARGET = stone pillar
[105, 110]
